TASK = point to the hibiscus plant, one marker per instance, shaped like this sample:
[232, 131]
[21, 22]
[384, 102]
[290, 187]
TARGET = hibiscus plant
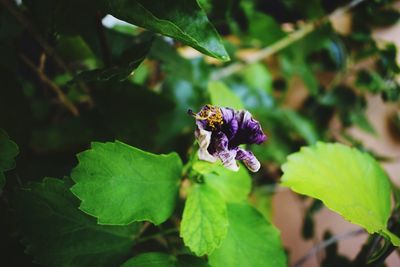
[158, 133]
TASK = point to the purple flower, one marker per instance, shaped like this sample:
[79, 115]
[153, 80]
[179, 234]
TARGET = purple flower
[220, 132]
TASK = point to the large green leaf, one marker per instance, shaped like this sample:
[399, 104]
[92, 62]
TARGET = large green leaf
[8, 152]
[232, 186]
[157, 259]
[204, 223]
[251, 241]
[120, 184]
[182, 20]
[56, 233]
[348, 181]
[222, 96]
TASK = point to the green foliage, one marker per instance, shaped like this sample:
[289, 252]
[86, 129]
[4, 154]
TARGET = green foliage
[155, 259]
[204, 220]
[251, 241]
[232, 186]
[221, 96]
[348, 181]
[56, 233]
[8, 151]
[72, 74]
[184, 21]
[120, 184]
[125, 64]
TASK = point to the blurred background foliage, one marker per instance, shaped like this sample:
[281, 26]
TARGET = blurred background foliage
[71, 74]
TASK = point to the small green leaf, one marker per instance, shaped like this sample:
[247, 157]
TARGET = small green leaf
[120, 184]
[56, 233]
[258, 76]
[251, 241]
[151, 259]
[232, 186]
[158, 259]
[348, 181]
[182, 20]
[124, 66]
[8, 151]
[301, 125]
[222, 96]
[359, 118]
[204, 221]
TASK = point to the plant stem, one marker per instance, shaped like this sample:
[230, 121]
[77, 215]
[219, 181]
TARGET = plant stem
[378, 262]
[161, 233]
[25, 23]
[326, 243]
[46, 80]
[282, 43]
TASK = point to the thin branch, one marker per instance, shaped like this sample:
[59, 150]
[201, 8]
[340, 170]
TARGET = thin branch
[46, 80]
[31, 29]
[326, 243]
[48, 49]
[142, 229]
[165, 232]
[282, 43]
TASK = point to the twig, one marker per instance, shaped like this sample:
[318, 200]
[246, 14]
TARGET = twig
[60, 94]
[165, 232]
[282, 43]
[42, 42]
[31, 29]
[326, 243]
[142, 229]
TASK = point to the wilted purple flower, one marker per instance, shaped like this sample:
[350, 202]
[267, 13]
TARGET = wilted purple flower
[220, 131]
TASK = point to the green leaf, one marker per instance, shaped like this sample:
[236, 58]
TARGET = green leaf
[251, 241]
[158, 259]
[120, 184]
[151, 259]
[125, 64]
[359, 118]
[222, 96]
[204, 220]
[301, 125]
[258, 76]
[56, 233]
[182, 20]
[348, 181]
[260, 23]
[232, 186]
[8, 151]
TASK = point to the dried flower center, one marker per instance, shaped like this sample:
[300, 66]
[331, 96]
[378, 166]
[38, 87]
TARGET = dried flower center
[213, 116]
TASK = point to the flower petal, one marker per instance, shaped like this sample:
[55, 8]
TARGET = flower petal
[204, 139]
[226, 156]
[249, 131]
[231, 125]
[248, 159]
